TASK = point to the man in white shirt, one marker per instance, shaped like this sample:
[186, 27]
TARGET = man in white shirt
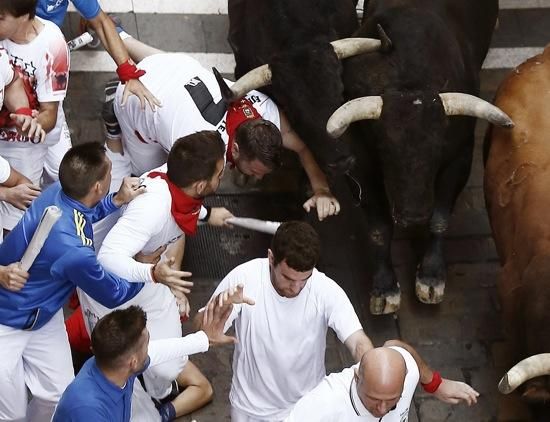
[169, 210]
[253, 129]
[280, 354]
[38, 53]
[380, 388]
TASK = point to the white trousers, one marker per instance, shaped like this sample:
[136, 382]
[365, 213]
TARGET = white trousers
[144, 154]
[40, 360]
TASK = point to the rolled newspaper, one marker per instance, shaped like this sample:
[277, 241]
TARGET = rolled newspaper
[255, 224]
[49, 218]
[80, 41]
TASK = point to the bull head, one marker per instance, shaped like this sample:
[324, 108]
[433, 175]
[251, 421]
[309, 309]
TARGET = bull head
[261, 76]
[454, 103]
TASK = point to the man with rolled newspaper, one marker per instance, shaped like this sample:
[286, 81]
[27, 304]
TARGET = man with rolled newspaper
[35, 352]
[156, 221]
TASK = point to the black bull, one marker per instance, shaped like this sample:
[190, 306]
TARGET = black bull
[414, 160]
[293, 37]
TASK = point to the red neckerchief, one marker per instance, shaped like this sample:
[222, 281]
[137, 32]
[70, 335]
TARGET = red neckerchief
[238, 112]
[185, 209]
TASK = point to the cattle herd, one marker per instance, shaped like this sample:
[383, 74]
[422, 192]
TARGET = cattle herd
[391, 102]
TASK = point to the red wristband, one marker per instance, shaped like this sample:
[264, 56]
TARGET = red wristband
[27, 111]
[434, 384]
[127, 71]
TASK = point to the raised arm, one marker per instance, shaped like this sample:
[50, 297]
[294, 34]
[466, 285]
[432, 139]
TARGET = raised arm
[322, 198]
[105, 29]
[358, 343]
[448, 391]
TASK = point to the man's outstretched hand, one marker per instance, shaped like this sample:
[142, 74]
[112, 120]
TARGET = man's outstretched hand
[453, 392]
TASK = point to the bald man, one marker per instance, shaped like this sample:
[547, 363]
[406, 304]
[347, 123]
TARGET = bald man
[379, 388]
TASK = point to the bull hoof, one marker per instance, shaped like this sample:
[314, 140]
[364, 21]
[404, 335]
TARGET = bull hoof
[385, 304]
[430, 294]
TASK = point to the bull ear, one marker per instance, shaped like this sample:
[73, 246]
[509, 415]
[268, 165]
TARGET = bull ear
[387, 45]
[226, 92]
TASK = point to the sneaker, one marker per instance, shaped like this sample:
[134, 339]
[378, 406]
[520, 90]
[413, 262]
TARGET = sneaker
[110, 121]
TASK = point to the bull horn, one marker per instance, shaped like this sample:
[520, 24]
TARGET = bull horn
[364, 108]
[255, 79]
[347, 47]
[459, 104]
[534, 366]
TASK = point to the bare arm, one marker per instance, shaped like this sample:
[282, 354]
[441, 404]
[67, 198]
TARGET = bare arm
[15, 94]
[105, 29]
[322, 199]
[358, 344]
[449, 391]
[47, 116]
[15, 99]
[18, 190]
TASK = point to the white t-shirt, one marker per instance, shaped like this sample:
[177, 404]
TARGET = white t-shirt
[145, 224]
[336, 399]
[6, 74]
[280, 355]
[148, 222]
[43, 65]
[191, 101]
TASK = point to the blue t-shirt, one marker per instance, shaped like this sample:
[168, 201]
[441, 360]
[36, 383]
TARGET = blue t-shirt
[55, 10]
[92, 397]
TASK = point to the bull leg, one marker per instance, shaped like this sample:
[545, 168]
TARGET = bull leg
[385, 296]
[431, 275]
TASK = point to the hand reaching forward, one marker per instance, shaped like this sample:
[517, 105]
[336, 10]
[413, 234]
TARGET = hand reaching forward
[213, 323]
[164, 273]
[129, 189]
[218, 217]
[325, 203]
[453, 392]
[235, 296]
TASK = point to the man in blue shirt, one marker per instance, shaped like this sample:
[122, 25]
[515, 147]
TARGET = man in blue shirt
[35, 352]
[55, 11]
[102, 390]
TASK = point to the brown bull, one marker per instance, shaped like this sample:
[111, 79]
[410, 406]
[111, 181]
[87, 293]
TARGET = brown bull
[517, 193]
